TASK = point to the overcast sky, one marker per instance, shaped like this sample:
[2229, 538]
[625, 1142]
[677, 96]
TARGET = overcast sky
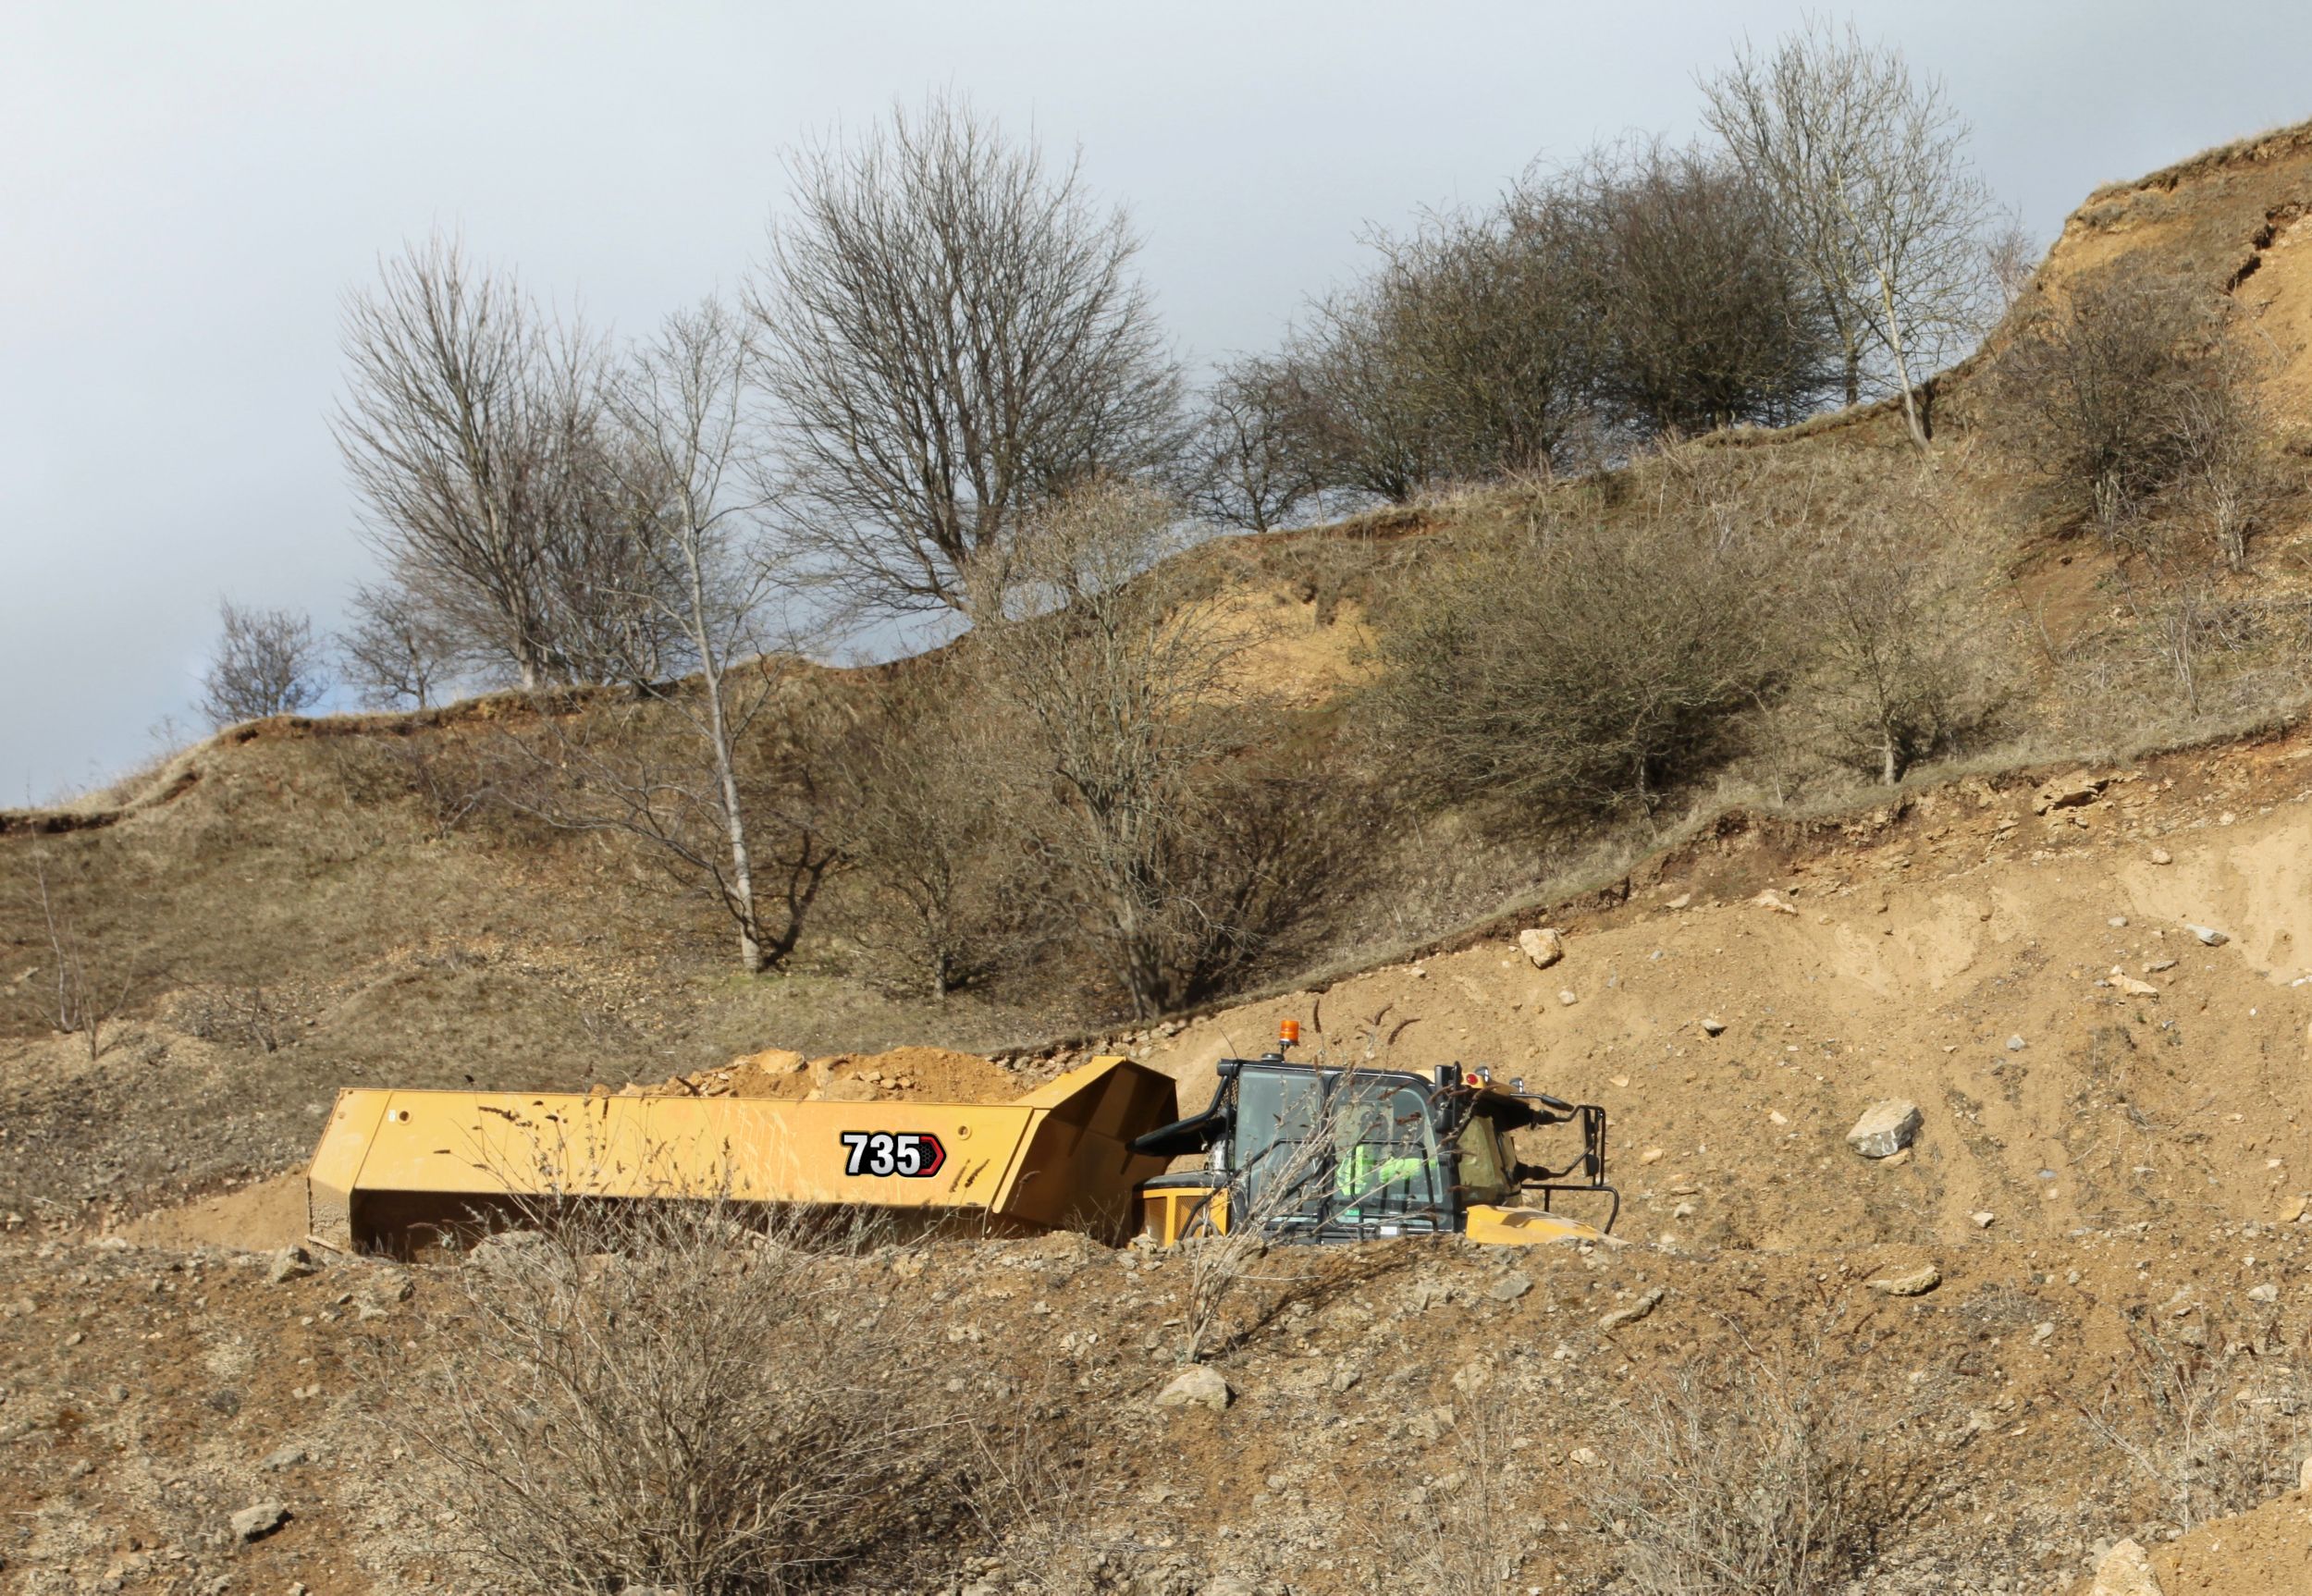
[186, 190]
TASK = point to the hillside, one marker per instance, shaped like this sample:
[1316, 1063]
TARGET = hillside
[2083, 948]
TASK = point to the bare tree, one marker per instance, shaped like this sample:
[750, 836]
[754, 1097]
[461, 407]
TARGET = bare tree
[1877, 202]
[475, 432]
[667, 767]
[395, 652]
[2012, 256]
[1249, 466]
[954, 334]
[1127, 679]
[265, 662]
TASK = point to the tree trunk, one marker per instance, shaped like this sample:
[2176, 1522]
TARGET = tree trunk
[1889, 770]
[751, 958]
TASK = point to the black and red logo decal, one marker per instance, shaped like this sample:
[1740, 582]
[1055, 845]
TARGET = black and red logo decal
[915, 1155]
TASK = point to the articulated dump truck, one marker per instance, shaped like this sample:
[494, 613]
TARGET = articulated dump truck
[1307, 1152]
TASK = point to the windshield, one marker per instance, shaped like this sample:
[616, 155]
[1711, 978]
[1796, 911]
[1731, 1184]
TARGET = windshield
[1335, 1147]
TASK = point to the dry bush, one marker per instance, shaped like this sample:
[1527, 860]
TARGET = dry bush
[684, 1396]
[238, 1016]
[1126, 677]
[1573, 667]
[941, 887]
[1735, 1478]
[2210, 1429]
[2131, 390]
[1702, 319]
[1464, 1534]
[1909, 664]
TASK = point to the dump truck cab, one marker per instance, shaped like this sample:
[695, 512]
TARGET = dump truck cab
[1318, 1154]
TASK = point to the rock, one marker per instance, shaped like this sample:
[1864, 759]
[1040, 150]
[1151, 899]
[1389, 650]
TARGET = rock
[1509, 1287]
[1683, 901]
[1223, 1585]
[2016, 1044]
[2303, 1476]
[256, 1522]
[2267, 1292]
[1543, 945]
[850, 1089]
[288, 1264]
[2161, 857]
[503, 1247]
[2116, 921]
[1916, 1282]
[773, 1061]
[2125, 1571]
[282, 1458]
[1634, 1313]
[1712, 1026]
[1651, 1156]
[2208, 935]
[2122, 981]
[1568, 999]
[1983, 1220]
[2068, 793]
[1582, 1458]
[1773, 902]
[1198, 1386]
[1885, 1129]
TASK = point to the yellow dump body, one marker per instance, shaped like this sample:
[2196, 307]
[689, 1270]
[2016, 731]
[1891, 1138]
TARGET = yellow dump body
[393, 1165]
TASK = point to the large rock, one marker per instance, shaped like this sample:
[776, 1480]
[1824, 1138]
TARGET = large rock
[288, 1264]
[1634, 1313]
[254, 1523]
[1885, 1128]
[2069, 791]
[1916, 1280]
[2125, 1571]
[1544, 946]
[1199, 1386]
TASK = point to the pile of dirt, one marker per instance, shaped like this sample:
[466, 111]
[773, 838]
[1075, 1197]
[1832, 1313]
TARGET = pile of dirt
[915, 1074]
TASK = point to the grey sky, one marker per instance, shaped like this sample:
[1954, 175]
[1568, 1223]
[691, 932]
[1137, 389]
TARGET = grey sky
[185, 191]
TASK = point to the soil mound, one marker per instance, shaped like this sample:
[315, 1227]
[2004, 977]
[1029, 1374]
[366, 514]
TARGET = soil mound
[927, 1074]
[255, 1217]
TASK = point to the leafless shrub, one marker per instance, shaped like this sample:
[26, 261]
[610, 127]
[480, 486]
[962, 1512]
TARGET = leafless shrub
[685, 1396]
[265, 662]
[238, 1016]
[1128, 683]
[1464, 1533]
[1571, 667]
[1465, 355]
[942, 873]
[2129, 390]
[78, 992]
[1737, 1478]
[1908, 659]
[2209, 1427]
[1701, 319]
[954, 334]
